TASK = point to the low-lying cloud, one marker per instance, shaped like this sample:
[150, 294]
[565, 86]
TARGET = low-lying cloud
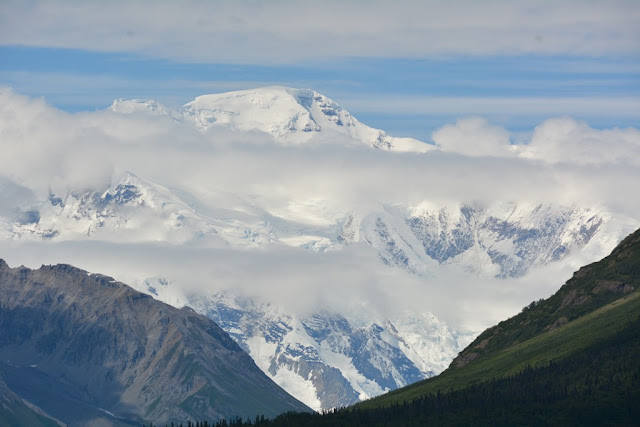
[352, 281]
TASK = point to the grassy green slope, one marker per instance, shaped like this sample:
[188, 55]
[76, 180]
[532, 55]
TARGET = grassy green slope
[596, 303]
[570, 339]
[597, 386]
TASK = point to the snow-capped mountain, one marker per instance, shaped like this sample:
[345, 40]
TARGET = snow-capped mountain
[290, 116]
[326, 361]
[134, 210]
[131, 209]
[326, 358]
[502, 240]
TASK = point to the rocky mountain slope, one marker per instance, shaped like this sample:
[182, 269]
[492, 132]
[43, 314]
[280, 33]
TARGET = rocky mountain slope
[14, 411]
[327, 362]
[84, 347]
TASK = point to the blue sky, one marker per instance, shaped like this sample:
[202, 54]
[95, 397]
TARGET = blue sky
[590, 72]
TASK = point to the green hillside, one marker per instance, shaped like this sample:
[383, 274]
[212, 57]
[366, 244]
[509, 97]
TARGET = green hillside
[590, 331]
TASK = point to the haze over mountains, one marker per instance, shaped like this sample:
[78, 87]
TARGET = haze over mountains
[345, 261]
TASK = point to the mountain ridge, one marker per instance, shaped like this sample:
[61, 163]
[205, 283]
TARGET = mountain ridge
[114, 350]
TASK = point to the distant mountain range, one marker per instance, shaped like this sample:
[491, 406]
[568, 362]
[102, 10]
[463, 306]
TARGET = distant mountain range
[84, 349]
[324, 358]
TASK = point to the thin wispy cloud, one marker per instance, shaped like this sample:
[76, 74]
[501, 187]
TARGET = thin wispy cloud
[408, 67]
[273, 32]
[592, 106]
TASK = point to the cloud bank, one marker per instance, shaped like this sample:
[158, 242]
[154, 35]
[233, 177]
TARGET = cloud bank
[563, 161]
[557, 140]
[280, 31]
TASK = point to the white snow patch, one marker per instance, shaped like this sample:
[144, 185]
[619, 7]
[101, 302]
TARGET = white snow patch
[261, 352]
[298, 386]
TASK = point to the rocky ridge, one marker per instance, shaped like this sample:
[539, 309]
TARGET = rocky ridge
[114, 353]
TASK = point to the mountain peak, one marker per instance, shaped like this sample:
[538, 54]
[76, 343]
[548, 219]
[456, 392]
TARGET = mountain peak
[289, 115]
[275, 110]
[261, 95]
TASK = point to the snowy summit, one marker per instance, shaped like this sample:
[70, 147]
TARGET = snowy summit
[290, 116]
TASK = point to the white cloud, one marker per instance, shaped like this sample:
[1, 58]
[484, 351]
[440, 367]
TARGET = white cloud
[352, 281]
[564, 140]
[282, 31]
[565, 162]
[44, 148]
[558, 140]
[474, 137]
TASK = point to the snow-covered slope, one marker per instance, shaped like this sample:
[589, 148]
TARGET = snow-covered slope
[134, 210]
[501, 239]
[327, 362]
[290, 116]
[129, 210]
